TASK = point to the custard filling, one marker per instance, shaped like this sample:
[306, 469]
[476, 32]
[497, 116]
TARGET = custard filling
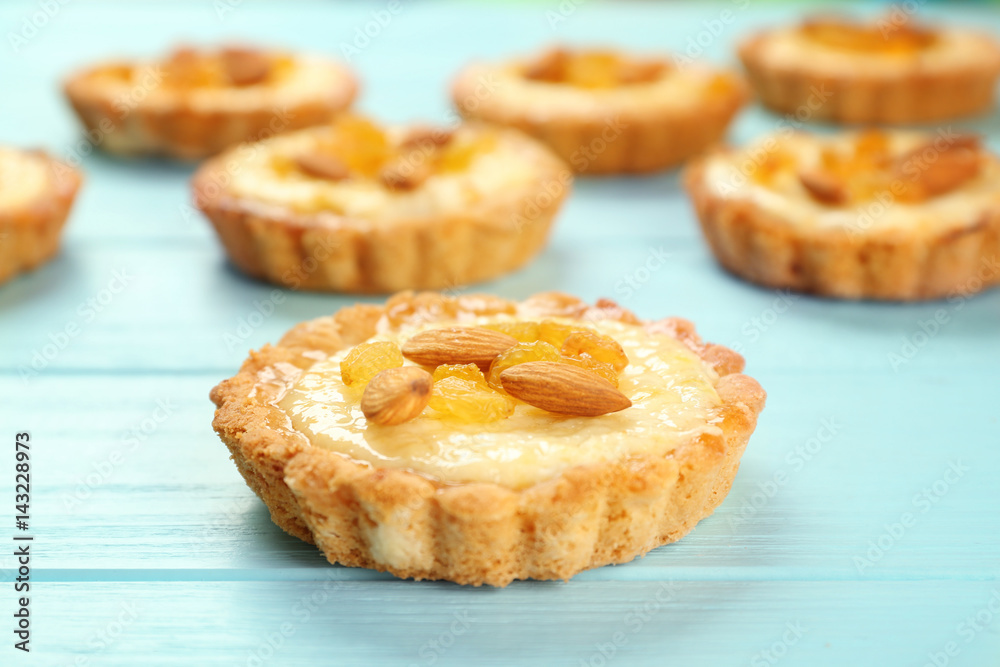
[672, 394]
[871, 179]
[23, 177]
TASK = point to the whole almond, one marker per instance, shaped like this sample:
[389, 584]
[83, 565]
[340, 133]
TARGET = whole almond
[457, 345]
[824, 187]
[935, 171]
[320, 165]
[563, 389]
[245, 67]
[396, 395]
[404, 174]
[422, 136]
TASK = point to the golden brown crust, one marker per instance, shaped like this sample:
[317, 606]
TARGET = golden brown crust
[608, 138]
[890, 264]
[329, 251]
[858, 95]
[589, 516]
[183, 127]
[30, 233]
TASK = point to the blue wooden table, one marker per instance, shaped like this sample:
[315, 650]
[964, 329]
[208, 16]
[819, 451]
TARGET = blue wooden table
[862, 529]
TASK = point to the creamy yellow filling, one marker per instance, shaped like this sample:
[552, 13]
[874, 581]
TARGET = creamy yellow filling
[673, 399]
[737, 176]
[504, 166]
[23, 177]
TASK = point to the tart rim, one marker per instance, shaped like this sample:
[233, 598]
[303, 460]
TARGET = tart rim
[164, 123]
[904, 95]
[308, 487]
[39, 220]
[255, 233]
[765, 248]
[645, 137]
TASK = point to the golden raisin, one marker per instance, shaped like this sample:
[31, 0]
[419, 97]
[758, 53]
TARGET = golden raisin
[556, 333]
[525, 332]
[469, 401]
[459, 153]
[592, 70]
[468, 372]
[521, 353]
[606, 371]
[367, 360]
[602, 348]
[360, 144]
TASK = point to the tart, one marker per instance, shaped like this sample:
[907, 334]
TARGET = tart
[877, 72]
[352, 206]
[195, 103]
[605, 112]
[36, 193]
[874, 214]
[480, 440]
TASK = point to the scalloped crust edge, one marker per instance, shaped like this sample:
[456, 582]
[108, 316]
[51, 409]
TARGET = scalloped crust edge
[858, 97]
[895, 266]
[330, 252]
[185, 131]
[402, 522]
[29, 235]
[641, 141]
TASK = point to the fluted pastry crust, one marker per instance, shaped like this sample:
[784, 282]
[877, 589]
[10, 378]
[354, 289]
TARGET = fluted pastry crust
[946, 251]
[475, 533]
[420, 239]
[31, 227]
[953, 81]
[630, 129]
[146, 117]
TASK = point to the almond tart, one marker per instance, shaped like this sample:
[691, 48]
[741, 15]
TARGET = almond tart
[874, 214]
[605, 112]
[876, 72]
[36, 194]
[352, 206]
[195, 103]
[480, 440]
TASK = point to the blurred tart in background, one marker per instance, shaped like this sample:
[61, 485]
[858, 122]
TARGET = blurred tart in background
[197, 102]
[351, 206]
[605, 112]
[482, 440]
[882, 71]
[36, 194]
[874, 214]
